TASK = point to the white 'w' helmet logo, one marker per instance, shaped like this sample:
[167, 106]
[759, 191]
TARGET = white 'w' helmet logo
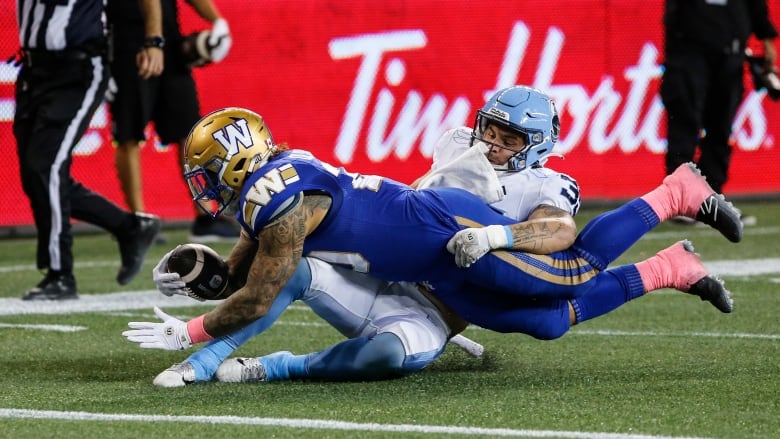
[231, 135]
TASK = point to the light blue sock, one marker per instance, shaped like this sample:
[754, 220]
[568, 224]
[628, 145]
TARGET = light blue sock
[283, 365]
[360, 358]
[206, 360]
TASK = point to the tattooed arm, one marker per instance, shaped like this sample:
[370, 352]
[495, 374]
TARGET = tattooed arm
[279, 248]
[548, 229]
[239, 262]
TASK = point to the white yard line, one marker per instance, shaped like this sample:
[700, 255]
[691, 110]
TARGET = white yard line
[324, 424]
[95, 303]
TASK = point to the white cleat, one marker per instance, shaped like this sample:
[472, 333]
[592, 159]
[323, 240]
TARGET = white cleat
[241, 370]
[178, 375]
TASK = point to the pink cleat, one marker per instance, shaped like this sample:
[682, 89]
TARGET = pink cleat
[689, 275]
[699, 201]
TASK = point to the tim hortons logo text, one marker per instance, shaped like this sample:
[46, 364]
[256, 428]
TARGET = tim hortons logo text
[604, 118]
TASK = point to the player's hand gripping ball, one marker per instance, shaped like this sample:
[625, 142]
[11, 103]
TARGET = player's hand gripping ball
[202, 269]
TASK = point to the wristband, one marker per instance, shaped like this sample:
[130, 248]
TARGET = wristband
[156, 41]
[196, 331]
[510, 238]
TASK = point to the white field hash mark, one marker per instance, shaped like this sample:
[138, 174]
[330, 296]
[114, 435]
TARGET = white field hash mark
[324, 424]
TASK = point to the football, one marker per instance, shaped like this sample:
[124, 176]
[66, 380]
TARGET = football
[202, 269]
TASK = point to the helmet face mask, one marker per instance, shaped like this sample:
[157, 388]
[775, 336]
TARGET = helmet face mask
[524, 111]
[206, 186]
[221, 151]
[503, 138]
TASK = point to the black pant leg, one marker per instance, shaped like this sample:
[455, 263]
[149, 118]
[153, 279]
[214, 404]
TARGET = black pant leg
[723, 99]
[683, 90]
[55, 104]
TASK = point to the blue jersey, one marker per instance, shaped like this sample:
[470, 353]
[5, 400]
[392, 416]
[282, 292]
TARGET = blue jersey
[382, 227]
[375, 225]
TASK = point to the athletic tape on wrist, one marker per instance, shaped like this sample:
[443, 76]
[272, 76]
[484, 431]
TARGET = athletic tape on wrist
[499, 237]
[196, 331]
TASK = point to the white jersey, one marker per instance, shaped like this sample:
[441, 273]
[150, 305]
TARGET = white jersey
[523, 191]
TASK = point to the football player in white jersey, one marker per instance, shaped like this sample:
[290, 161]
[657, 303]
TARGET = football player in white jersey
[396, 328]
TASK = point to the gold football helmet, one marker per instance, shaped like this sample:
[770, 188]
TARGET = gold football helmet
[220, 152]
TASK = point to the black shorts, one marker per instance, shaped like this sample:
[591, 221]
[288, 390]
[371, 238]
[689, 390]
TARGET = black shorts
[170, 101]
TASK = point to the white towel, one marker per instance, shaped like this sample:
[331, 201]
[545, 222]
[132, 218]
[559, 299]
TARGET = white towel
[470, 171]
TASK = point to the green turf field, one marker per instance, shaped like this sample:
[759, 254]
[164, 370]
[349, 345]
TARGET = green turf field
[665, 365]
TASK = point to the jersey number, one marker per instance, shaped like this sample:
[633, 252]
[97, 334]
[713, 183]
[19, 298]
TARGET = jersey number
[572, 193]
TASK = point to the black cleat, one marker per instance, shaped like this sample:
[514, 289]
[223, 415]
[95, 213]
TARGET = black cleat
[721, 215]
[711, 289]
[54, 287]
[134, 245]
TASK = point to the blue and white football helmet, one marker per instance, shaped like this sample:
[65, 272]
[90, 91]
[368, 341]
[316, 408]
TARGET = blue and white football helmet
[527, 111]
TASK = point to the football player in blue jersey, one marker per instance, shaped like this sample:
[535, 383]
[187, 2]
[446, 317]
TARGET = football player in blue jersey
[508, 308]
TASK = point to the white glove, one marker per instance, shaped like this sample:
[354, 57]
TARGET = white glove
[170, 335]
[219, 40]
[470, 244]
[170, 283]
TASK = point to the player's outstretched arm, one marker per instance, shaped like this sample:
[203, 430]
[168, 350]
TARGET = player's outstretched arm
[280, 248]
[278, 252]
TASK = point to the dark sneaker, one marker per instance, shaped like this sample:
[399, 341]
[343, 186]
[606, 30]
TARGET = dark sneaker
[721, 215]
[700, 202]
[712, 290]
[688, 274]
[134, 245]
[54, 287]
[206, 230]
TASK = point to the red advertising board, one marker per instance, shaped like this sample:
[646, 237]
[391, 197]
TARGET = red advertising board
[371, 85]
